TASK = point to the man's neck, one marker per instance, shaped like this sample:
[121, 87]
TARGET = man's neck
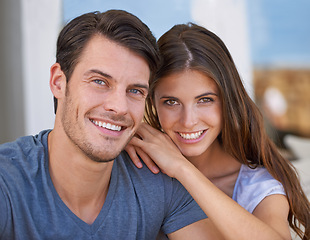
[81, 183]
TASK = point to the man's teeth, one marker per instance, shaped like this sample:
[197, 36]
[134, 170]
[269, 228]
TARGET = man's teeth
[107, 125]
[190, 136]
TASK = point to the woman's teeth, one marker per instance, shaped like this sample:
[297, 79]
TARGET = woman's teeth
[107, 125]
[191, 136]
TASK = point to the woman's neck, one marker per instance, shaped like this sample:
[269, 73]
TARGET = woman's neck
[219, 167]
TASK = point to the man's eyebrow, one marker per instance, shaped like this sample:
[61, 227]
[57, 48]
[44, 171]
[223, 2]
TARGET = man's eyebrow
[106, 75]
[138, 85]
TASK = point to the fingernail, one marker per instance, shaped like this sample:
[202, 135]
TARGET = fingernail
[155, 170]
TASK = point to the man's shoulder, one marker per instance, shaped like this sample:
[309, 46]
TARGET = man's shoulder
[158, 194]
[23, 144]
[164, 195]
[125, 161]
[142, 178]
[22, 152]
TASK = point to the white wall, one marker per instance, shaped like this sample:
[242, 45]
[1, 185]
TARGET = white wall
[11, 85]
[41, 24]
[227, 19]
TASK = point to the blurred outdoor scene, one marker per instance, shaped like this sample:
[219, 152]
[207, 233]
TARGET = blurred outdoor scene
[280, 49]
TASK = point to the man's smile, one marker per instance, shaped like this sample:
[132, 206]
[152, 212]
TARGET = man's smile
[106, 125]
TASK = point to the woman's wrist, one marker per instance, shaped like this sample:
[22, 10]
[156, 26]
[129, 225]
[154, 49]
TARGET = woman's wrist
[183, 170]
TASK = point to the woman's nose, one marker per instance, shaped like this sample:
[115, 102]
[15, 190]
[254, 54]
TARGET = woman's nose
[189, 117]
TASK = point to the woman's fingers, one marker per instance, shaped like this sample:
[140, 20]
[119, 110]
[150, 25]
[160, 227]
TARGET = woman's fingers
[157, 150]
[148, 161]
[132, 152]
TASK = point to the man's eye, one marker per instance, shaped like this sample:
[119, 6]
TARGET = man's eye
[100, 82]
[136, 91]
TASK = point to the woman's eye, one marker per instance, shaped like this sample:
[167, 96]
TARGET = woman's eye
[171, 102]
[205, 100]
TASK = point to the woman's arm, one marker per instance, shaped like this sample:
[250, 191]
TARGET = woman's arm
[268, 221]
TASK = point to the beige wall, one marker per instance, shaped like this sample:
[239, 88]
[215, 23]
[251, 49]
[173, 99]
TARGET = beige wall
[11, 84]
[29, 30]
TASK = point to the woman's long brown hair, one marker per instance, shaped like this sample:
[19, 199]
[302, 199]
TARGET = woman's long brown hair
[189, 46]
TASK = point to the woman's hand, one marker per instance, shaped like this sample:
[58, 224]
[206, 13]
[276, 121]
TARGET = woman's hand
[156, 149]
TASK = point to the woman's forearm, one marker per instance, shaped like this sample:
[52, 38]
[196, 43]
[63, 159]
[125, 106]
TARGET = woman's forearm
[233, 221]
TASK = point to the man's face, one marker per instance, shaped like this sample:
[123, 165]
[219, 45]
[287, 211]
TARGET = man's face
[105, 98]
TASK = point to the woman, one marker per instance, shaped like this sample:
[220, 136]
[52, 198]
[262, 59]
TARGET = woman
[210, 136]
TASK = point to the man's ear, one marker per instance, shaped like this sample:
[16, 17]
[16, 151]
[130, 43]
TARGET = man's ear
[57, 81]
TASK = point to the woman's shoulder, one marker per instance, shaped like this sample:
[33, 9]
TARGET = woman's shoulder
[253, 185]
[250, 175]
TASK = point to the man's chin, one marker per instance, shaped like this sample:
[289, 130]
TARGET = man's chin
[104, 157]
[100, 160]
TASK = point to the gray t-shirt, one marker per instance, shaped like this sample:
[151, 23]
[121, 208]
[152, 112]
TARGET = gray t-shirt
[139, 203]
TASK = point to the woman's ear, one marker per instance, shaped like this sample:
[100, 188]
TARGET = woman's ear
[57, 81]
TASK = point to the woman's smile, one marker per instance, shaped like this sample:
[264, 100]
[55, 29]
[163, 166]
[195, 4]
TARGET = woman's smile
[191, 137]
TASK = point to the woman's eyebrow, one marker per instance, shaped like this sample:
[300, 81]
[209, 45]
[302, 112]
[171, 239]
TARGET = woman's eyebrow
[206, 94]
[168, 97]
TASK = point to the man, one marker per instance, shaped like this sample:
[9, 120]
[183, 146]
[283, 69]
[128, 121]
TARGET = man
[74, 182]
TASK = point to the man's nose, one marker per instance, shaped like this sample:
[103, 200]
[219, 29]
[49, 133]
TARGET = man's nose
[116, 101]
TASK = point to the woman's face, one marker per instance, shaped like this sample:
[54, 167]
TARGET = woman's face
[190, 110]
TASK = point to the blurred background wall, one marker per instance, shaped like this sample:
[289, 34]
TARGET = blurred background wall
[29, 29]
[280, 49]
[269, 41]
[11, 84]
